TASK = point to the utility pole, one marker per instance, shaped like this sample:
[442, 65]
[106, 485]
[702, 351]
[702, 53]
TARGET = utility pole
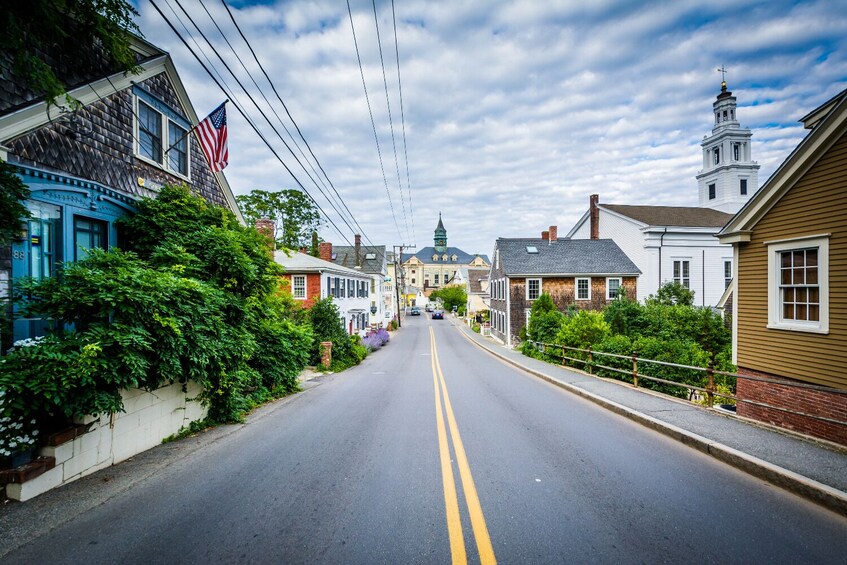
[398, 259]
[399, 276]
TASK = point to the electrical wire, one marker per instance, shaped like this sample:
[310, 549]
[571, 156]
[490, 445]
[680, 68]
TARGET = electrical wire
[249, 120]
[253, 101]
[403, 122]
[373, 122]
[293, 121]
[390, 119]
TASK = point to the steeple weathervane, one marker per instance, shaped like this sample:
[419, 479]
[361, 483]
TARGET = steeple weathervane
[722, 71]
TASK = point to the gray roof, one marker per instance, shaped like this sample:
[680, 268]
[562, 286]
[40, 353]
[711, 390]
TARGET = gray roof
[564, 257]
[296, 262]
[345, 255]
[462, 258]
[475, 278]
[688, 216]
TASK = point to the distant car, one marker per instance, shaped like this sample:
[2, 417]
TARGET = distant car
[438, 315]
[415, 311]
[428, 308]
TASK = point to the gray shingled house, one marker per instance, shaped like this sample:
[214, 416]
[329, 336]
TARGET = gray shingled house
[586, 273]
[87, 166]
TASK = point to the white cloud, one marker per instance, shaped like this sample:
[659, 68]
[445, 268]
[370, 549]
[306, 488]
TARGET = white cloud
[516, 112]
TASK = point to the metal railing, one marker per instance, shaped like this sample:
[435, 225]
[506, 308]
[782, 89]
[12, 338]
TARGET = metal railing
[710, 389]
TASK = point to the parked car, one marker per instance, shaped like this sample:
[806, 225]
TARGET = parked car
[415, 311]
[438, 315]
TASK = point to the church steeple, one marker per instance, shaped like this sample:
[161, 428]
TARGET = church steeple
[729, 176]
[440, 236]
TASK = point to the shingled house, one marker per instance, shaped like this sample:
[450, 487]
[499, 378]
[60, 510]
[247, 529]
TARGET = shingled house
[586, 273]
[86, 167]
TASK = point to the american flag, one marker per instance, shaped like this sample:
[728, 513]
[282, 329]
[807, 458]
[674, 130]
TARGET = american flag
[212, 132]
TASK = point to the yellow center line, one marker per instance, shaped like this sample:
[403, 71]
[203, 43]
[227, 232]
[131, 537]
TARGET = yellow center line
[451, 502]
[480, 530]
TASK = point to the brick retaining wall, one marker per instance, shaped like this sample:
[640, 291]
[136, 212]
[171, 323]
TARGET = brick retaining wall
[817, 403]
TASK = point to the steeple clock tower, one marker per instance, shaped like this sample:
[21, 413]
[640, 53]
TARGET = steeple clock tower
[729, 177]
[440, 236]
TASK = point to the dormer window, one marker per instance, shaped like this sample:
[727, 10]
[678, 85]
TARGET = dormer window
[444, 257]
[455, 258]
[435, 257]
[370, 256]
[160, 139]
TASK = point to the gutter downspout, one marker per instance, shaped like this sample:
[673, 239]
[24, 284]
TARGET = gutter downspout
[508, 316]
[661, 244]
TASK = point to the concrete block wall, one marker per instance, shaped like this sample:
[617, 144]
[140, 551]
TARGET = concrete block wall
[149, 417]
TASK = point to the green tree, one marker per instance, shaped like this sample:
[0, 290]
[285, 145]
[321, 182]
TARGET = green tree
[672, 293]
[451, 295]
[46, 42]
[12, 210]
[294, 214]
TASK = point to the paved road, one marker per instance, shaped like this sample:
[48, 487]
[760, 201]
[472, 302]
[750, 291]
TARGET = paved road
[364, 469]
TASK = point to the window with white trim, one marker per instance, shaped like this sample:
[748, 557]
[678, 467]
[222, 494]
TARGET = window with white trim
[152, 129]
[682, 272]
[798, 285]
[727, 273]
[298, 286]
[583, 289]
[613, 287]
[533, 289]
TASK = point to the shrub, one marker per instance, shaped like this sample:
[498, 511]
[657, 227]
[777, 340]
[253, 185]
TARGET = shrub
[583, 329]
[195, 301]
[545, 320]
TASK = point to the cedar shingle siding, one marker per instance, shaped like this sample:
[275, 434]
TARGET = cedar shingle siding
[817, 204]
[101, 147]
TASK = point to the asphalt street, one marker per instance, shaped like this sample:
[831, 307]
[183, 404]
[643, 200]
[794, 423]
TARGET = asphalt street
[430, 451]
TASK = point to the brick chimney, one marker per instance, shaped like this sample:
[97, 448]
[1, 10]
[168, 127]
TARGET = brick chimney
[358, 250]
[266, 227]
[554, 233]
[545, 235]
[594, 213]
[325, 250]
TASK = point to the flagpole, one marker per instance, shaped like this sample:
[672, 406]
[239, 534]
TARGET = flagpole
[174, 144]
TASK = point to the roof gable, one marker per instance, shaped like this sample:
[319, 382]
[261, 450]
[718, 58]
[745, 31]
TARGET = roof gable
[827, 131]
[30, 116]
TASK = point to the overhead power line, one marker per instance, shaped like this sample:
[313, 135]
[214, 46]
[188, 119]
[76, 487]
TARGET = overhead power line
[226, 66]
[373, 122]
[390, 119]
[339, 199]
[247, 118]
[403, 123]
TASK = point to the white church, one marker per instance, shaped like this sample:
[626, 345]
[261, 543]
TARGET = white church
[678, 243]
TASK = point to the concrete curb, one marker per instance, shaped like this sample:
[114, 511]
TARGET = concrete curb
[812, 490]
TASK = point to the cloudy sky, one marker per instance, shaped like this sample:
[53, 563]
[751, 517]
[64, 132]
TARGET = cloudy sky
[515, 112]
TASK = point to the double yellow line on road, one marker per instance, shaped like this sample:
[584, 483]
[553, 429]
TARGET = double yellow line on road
[451, 499]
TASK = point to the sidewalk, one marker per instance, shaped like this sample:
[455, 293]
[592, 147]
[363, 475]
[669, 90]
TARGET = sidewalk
[807, 468]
